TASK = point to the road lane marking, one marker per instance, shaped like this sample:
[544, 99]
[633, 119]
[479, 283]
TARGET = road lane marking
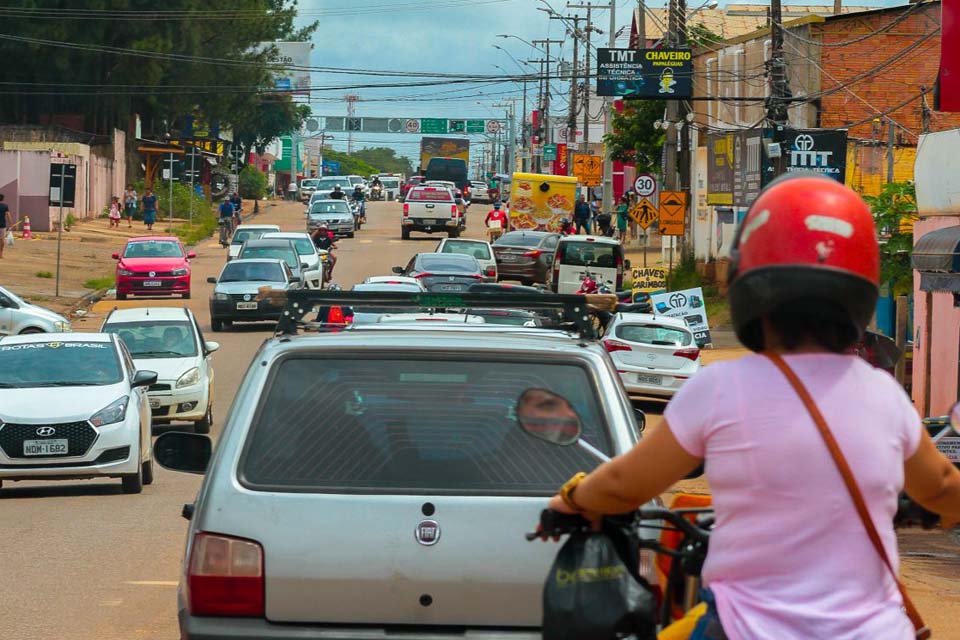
[153, 583]
[366, 242]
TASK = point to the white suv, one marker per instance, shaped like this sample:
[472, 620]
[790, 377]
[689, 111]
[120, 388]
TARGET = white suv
[73, 405]
[168, 340]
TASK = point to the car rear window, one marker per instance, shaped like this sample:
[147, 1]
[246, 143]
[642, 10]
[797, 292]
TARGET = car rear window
[478, 250]
[448, 264]
[519, 239]
[242, 235]
[329, 207]
[430, 195]
[655, 335]
[588, 254]
[287, 254]
[413, 426]
[252, 272]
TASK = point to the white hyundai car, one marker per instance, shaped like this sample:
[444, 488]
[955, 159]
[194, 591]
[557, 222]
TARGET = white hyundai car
[654, 354]
[73, 405]
[168, 340]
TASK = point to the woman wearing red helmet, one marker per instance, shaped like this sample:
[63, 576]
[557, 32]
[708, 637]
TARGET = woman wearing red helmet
[790, 557]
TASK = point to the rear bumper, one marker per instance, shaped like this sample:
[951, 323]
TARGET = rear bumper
[420, 224]
[671, 383]
[194, 628]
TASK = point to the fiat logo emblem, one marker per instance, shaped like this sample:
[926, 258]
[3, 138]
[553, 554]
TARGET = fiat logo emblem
[427, 533]
[153, 273]
[46, 431]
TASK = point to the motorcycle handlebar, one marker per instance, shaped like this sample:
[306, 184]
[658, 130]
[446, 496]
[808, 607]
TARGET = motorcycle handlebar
[554, 523]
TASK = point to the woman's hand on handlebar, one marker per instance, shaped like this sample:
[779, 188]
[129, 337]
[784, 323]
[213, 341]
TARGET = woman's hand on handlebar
[558, 505]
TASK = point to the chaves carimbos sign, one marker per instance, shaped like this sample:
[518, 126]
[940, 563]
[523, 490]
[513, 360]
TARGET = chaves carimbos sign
[645, 73]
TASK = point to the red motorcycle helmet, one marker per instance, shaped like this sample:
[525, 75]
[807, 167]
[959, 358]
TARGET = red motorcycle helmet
[806, 237]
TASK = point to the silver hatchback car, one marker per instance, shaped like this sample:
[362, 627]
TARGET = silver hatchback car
[375, 481]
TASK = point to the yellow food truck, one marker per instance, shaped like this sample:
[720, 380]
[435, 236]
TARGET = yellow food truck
[540, 202]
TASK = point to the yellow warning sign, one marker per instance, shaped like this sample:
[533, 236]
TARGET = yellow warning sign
[673, 213]
[643, 213]
[588, 169]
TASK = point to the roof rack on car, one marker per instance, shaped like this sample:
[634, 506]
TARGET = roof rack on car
[576, 311]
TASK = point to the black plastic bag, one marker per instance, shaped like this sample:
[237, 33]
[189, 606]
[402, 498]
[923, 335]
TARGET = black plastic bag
[594, 590]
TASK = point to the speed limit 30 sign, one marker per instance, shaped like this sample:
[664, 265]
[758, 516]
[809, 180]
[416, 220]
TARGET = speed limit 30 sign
[646, 185]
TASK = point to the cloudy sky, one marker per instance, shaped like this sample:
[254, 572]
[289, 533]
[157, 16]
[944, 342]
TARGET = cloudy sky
[442, 36]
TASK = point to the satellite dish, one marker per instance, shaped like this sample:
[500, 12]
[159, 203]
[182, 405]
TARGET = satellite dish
[312, 124]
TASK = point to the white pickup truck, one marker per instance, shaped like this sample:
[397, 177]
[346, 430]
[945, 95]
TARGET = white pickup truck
[431, 209]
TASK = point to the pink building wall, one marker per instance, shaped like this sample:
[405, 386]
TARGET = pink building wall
[941, 340]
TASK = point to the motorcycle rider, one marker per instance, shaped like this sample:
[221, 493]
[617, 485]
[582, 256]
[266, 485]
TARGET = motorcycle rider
[790, 557]
[360, 198]
[337, 193]
[566, 227]
[324, 239]
[496, 221]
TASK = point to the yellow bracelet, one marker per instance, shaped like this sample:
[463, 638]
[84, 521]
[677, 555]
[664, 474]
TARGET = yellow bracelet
[566, 491]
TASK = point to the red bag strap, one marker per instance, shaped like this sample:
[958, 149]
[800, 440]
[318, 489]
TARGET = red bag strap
[922, 631]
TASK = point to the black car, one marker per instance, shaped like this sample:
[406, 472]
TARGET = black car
[526, 256]
[443, 272]
[237, 296]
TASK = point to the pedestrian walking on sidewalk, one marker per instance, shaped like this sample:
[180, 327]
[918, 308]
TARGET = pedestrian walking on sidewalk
[149, 202]
[130, 204]
[115, 212]
[581, 214]
[622, 210]
[6, 223]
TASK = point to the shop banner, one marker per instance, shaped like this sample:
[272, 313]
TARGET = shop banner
[645, 73]
[720, 168]
[747, 166]
[818, 150]
[648, 280]
[686, 304]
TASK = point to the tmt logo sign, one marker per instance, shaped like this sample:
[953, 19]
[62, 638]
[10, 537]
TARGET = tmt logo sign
[803, 154]
[623, 55]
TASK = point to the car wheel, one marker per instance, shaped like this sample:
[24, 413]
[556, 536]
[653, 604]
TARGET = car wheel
[121, 296]
[203, 426]
[186, 296]
[216, 324]
[146, 472]
[453, 233]
[405, 234]
[30, 330]
[133, 482]
[351, 234]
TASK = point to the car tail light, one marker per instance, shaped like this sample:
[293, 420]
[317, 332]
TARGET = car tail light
[616, 345]
[423, 274]
[689, 354]
[225, 577]
[454, 211]
[532, 254]
[406, 210]
[491, 272]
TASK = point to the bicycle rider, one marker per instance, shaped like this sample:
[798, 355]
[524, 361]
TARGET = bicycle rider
[227, 213]
[789, 556]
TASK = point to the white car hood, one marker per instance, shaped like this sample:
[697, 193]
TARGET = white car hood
[45, 405]
[168, 369]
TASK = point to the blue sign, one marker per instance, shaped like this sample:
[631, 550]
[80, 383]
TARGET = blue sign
[331, 168]
[282, 84]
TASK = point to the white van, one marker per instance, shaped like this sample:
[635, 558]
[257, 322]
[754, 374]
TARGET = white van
[576, 255]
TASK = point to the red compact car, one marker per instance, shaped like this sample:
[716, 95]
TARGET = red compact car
[153, 266]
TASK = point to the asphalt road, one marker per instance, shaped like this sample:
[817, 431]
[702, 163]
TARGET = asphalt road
[83, 561]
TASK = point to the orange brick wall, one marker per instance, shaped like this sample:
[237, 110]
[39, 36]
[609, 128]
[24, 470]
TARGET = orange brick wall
[886, 87]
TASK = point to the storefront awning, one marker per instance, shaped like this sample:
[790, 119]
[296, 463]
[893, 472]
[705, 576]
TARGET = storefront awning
[937, 257]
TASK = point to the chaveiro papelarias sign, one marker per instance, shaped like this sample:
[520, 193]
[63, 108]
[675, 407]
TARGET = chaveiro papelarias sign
[645, 73]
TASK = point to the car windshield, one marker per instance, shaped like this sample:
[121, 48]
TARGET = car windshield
[479, 250]
[390, 183]
[11, 296]
[655, 335]
[153, 249]
[413, 425]
[338, 206]
[58, 364]
[448, 264]
[156, 338]
[252, 272]
[242, 235]
[330, 183]
[304, 246]
[519, 239]
[587, 254]
[286, 254]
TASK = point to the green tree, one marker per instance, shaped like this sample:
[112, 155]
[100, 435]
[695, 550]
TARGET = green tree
[267, 120]
[894, 211]
[253, 183]
[385, 160]
[349, 164]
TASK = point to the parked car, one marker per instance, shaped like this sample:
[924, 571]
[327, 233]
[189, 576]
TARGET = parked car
[284, 250]
[236, 294]
[444, 272]
[412, 472]
[248, 232]
[336, 214]
[308, 255]
[654, 354]
[168, 340]
[412, 181]
[479, 249]
[575, 255]
[73, 405]
[152, 266]
[526, 256]
[19, 316]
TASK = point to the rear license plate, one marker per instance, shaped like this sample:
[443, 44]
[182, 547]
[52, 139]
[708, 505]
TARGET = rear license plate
[154, 404]
[45, 447]
[950, 447]
[429, 222]
[450, 287]
[152, 283]
[509, 257]
[645, 379]
[245, 306]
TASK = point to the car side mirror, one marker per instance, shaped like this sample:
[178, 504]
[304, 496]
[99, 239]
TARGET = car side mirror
[398, 270]
[116, 256]
[955, 418]
[304, 265]
[143, 378]
[211, 346]
[548, 417]
[180, 451]
[212, 279]
[191, 255]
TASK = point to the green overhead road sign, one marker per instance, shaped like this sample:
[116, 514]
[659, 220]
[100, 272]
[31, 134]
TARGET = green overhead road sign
[549, 152]
[433, 125]
[476, 126]
[458, 126]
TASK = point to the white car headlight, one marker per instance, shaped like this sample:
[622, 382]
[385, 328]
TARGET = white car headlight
[62, 326]
[189, 378]
[114, 412]
[221, 296]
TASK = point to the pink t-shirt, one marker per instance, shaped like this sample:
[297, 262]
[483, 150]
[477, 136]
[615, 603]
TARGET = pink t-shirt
[789, 558]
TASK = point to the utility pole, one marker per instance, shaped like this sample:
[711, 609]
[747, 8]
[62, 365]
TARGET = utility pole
[572, 112]
[546, 101]
[609, 110]
[779, 100]
[890, 142]
[538, 160]
[641, 24]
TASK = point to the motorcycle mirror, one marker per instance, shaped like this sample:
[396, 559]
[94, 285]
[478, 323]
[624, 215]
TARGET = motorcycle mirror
[548, 417]
[955, 418]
